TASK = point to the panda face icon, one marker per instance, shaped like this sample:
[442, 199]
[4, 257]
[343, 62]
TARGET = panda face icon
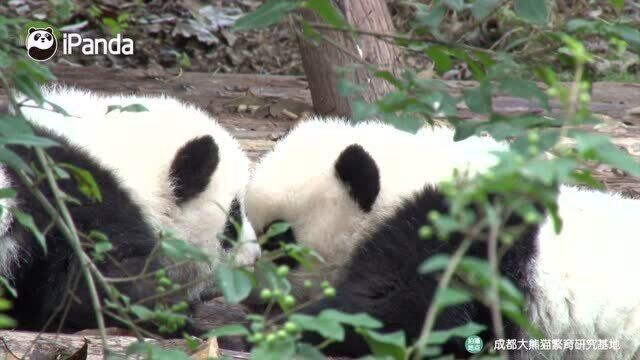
[41, 43]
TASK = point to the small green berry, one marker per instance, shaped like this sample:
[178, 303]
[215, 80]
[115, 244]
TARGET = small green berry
[288, 301]
[271, 338]
[308, 284]
[180, 307]
[258, 337]
[534, 136]
[276, 293]
[282, 271]
[281, 334]
[290, 327]
[265, 294]
[164, 281]
[161, 273]
[507, 239]
[533, 150]
[425, 232]
[531, 217]
[329, 292]
[325, 284]
[434, 215]
[161, 289]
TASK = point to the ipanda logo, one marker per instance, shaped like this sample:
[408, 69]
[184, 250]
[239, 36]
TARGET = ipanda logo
[41, 44]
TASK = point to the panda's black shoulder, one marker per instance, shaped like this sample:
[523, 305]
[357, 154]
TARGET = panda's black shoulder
[116, 211]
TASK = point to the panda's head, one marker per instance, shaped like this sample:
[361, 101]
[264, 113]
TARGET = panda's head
[41, 43]
[333, 182]
[185, 171]
[330, 181]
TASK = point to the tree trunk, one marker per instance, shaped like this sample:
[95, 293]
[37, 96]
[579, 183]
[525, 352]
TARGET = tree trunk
[322, 61]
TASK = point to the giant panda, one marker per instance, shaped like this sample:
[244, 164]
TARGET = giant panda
[339, 199]
[310, 171]
[169, 168]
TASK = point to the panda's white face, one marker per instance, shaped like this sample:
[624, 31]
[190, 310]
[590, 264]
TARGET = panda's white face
[299, 183]
[181, 166]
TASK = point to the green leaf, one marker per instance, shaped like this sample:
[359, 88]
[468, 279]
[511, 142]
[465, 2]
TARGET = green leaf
[392, 344]
[389, 77]
[432, 18]
[482, 8]
[456, 5]
[235, 284]
[267, 277]
[440, 58]
[356, 320]
[451, 296]
[111, 108]
[134, 108]
[598, 147]
[158, 353]
[5, 284]
[27, 221]
[617, 5]
[227, 330]
[327, 12]
[479, 99]
[524, 89]
[326, 327]
[85, 181]
[308, 352]
[266, 15]
[28, 140]
[276, 229]
[142, 312]
[178, 249]
[6, 322]
[5, 305]
[7, 193]
[464, 331]
[434, 263]
[532, 11]
[277, 351]
[14, 125]
[57, 108]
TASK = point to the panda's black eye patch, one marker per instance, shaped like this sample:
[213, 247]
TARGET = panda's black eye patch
[274, 242]
[230, 231]
[36, 36]
[48, 37]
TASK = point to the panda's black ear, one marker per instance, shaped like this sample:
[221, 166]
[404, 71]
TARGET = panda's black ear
[359, 172]
[31, 29]
[49, 30]
[193, 166]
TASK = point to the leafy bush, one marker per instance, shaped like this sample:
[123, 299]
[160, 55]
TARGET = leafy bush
[522, 179]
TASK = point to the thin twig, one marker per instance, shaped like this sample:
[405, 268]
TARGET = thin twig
[422, 341]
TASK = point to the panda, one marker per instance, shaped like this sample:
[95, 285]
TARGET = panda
[339, 198]
[41, 43]
[324, 179]
[170, 168]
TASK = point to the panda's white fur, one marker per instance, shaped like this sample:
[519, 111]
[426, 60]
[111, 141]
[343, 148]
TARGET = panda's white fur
[8, 245]
[295, 182]
[139, 148]
[582, 279]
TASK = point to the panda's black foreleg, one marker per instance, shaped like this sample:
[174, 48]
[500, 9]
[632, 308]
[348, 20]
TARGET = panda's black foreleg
[81, 313]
